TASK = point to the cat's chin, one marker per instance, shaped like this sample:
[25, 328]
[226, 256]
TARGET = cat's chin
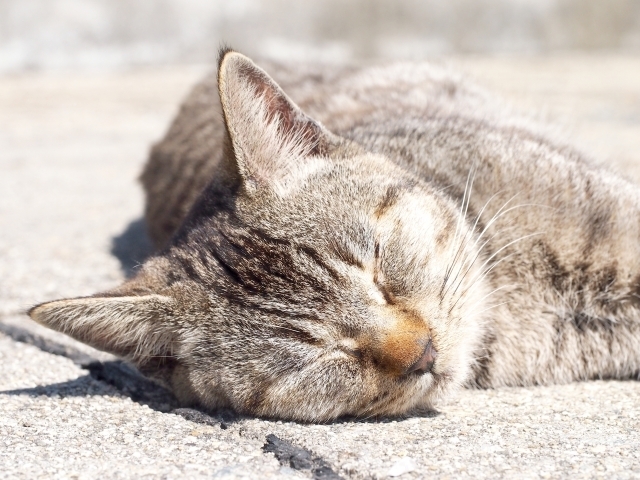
[408, 399]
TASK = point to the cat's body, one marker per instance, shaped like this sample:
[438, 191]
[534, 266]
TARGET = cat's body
[433, 238]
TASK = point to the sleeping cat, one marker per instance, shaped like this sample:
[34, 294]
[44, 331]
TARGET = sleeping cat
[364, 243]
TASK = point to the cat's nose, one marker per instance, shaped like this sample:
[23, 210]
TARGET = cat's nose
[405, 346]
[424, 364]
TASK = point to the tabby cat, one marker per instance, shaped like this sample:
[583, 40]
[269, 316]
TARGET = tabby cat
[365, 245]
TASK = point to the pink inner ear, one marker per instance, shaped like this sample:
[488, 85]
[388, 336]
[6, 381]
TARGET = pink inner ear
[290, 119]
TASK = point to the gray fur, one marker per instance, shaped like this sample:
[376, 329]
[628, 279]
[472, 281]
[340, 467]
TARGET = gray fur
[308, 251]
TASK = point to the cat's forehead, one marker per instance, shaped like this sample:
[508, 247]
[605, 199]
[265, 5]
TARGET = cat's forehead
[364, 183]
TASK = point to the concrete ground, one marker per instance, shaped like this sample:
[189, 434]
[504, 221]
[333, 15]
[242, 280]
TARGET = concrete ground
[71, 147]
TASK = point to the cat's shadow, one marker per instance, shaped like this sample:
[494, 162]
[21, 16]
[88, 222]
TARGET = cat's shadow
[132, 247]
[124, 378]
[127, 383]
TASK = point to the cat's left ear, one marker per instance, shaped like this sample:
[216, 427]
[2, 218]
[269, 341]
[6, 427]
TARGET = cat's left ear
[138, 328]
[271, 138]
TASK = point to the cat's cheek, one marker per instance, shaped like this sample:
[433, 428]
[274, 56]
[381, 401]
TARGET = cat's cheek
[196, 386]
[330, 389]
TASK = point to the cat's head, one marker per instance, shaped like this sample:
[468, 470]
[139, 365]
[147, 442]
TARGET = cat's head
[311, 280]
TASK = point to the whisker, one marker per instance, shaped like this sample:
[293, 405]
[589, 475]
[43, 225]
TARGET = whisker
[475, 258]
[495, 217]
[484, 208]
[561, 297]
[477, 302]
[500, 214]
[464, 208]
[459, 224]
[483, 273]
[524, 237]
[492, 307]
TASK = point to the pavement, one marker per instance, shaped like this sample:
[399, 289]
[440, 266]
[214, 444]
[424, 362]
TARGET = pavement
[71, 148]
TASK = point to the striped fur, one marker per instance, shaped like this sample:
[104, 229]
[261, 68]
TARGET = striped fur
[310, 246]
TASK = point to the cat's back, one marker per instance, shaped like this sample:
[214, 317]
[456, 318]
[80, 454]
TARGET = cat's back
[374, 100]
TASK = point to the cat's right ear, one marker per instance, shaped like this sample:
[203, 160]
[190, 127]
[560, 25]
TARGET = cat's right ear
[138, 328]
[270, 138]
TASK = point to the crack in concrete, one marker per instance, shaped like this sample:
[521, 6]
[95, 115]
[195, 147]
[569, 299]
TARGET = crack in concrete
[298, 458]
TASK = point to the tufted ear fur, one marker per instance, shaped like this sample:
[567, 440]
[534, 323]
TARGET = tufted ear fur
[272, 140]
[138, 328]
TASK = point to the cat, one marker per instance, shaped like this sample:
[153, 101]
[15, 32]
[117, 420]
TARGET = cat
[366, 243]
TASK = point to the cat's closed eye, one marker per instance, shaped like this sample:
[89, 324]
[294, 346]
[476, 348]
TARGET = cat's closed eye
[351, 348]
[379, 278]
